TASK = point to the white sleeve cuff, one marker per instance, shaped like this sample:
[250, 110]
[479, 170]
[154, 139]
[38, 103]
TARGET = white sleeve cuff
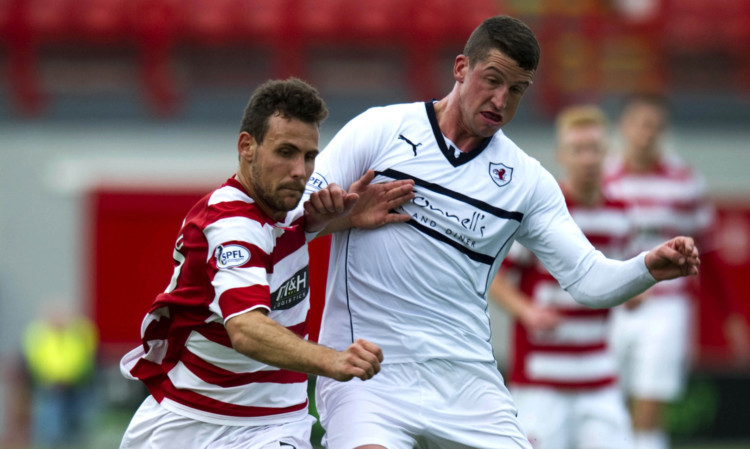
[612, 282]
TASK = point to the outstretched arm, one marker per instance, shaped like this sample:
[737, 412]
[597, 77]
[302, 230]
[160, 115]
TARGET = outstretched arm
[261, 338]
[610, 282]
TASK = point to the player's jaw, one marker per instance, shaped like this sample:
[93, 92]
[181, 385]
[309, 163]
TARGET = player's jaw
[289, 194]
[276, 188]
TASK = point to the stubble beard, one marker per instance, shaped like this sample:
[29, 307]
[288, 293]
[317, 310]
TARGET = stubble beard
[265, 195]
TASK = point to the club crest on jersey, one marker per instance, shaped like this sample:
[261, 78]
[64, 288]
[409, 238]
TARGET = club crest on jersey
[231, 256]
[501, 173]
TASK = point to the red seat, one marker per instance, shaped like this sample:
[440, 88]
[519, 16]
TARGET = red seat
[473, 13]
[207, 21]
[49, 19]
[376, 20]
[262, 20]
[100, 20]
[321, 19]
[155, 24]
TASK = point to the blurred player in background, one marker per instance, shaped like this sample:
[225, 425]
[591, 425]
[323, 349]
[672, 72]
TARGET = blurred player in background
[419, 289]
[563, 374]
[224, 352]
[651, 334]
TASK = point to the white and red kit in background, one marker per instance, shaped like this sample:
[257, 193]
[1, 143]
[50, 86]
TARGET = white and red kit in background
[564, 380]
[574, 355]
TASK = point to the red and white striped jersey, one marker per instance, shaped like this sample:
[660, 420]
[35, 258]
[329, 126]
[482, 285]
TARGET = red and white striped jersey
[574, 354]
[665, 202]
[230, 258]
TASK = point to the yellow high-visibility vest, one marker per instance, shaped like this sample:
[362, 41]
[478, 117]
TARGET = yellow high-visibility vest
[60, 355]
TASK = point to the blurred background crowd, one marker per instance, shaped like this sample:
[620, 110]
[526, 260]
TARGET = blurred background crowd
[116, 115]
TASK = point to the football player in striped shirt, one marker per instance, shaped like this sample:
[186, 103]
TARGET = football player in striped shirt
[225, 355]
[563, 374]
[664, 196]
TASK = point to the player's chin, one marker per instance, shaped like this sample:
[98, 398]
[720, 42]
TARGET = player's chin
[290, 201]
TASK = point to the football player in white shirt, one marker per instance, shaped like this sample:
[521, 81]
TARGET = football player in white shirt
[563, 374]
[418, 289]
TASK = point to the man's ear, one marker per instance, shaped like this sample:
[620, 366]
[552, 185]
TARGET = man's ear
[246, 146]
[460, 67]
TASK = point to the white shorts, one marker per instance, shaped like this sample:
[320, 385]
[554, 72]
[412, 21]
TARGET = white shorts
[154, 427]
[565, 419]
[436, 404]
[651, 343]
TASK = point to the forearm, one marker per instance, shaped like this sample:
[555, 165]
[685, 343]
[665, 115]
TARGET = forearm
[609, 282]
[339, 224]
[508, 296]
[263, 339]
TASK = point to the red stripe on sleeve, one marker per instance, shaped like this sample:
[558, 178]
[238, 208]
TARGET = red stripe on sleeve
[240, 299]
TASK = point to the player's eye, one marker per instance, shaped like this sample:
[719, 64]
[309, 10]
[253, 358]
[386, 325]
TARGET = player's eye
[285, 152]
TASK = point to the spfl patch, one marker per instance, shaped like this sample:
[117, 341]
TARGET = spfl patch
[231, 256]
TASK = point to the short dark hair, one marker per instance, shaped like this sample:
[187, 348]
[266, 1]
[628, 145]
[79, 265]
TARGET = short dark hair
[511, 36]
[291, 98]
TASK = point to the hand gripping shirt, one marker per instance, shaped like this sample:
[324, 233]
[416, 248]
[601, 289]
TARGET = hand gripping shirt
[418, 289]
[230, 258]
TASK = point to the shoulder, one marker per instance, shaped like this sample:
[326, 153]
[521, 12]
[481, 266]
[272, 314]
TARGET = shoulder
[614, 167]
[230, 201]
[393, 113]
[504, 147]
[673, 166]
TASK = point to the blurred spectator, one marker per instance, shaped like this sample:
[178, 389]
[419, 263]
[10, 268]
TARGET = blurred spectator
[59, 350]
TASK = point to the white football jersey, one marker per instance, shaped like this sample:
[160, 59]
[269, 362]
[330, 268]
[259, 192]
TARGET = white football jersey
[419, 289]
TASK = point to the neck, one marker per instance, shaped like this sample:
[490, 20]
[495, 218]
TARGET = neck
[641, 161]
[449, 120]
[584, 193]
[274, 214]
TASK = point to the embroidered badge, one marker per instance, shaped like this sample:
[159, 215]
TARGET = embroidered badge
[501, 174]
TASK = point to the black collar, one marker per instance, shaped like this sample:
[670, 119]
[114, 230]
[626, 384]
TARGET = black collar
[450, 153]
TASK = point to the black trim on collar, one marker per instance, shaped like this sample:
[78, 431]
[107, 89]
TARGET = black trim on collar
[449, 153]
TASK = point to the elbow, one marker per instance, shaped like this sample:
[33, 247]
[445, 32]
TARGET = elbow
[244, 345]
[242, 340]
[587, 301]
[593, 304]
[597, 302]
